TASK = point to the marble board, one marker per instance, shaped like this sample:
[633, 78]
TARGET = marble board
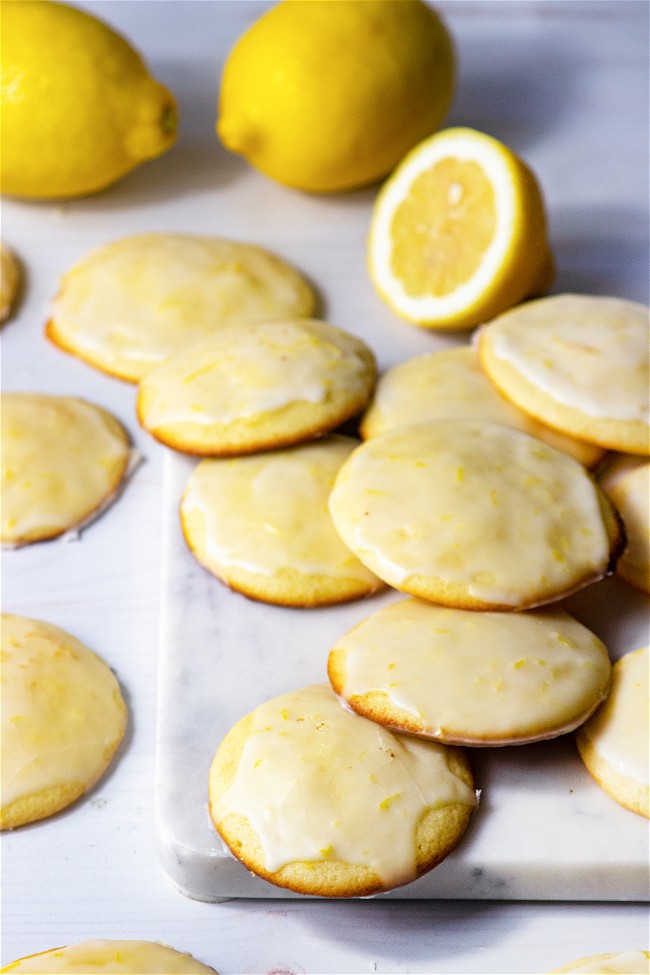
[543, 830]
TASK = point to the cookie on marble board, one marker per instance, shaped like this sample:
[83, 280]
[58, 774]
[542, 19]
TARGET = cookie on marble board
[63, 462]
[10, 281]
[614, 743]
[131, 303]
[320, 801]
[63, 718]
[257, 386]
[609, 963]
[466, 678]
[450, 384]
[114, 957]
[626, 481]
[474, 515]
[262, 526]
[578, 363]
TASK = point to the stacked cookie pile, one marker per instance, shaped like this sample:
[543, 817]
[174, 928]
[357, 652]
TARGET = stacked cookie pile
[486, 517]
[471, 495]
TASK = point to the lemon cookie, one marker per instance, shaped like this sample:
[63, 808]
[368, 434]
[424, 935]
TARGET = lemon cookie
[321, 801]
[63, 461]
[261, 524]
[63, 718]
[9, 281]
[578, 363]
[130, 304]
[609, 963]
[615, 742]
[450, 384]
[468, 678]
[474, 515]
[257, 386]
[626, 481]
[127, 957]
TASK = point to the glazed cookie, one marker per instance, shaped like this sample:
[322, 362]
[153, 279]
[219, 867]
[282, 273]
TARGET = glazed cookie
[134, 302]
[615, 742]
[127, 957]
[578, 363]
[257, 386]
[474, 515]
[9, 281]
[63, 461]
[468, 678]
[450, 385]
[321, 801]
[63, 718]
[626, 481]
[611, 963]
[261, 524]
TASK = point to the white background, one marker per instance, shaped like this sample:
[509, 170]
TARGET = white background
[566, 86]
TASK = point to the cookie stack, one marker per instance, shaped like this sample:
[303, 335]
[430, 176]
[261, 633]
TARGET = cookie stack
[473, 495]
[486, 516]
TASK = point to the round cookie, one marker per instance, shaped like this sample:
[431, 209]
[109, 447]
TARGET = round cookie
[261, 524]
[450, 385]
[609, 963]
[615, 743]
[126, 957]
[467, 678]
[10, 277]
[63, 461]
[63, 718]
[626, 481]
[257, 387]
[474, 515]
[130, 304]
[321, 801]
[578, 363]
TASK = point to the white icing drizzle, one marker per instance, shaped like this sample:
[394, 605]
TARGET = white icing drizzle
[588, 353]
[242, 372]
[63, 460]
[474, 677]
[474, 504]
[620, 730]
[135, 301]
[114, 957]
[62, 712]
[450, 384]
[317, 783]
[269, 512]
[621, 963]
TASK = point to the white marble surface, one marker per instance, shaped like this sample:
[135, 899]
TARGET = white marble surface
[543, 829]
[566, 84]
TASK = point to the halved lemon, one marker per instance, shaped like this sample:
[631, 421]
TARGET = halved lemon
[459, 232]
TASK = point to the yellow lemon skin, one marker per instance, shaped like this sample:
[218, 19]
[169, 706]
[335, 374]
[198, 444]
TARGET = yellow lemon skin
[79, 108]
[328, 95]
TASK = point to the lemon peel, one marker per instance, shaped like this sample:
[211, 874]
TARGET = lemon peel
[79, 106]
[326, 97]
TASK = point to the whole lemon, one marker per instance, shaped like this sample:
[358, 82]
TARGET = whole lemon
[78, 107]
[328, 95]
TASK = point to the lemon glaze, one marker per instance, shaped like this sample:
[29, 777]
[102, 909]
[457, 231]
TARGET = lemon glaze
[619, 731]
[317, 783]
[588, 353]
[478, 677]
[268, 512]
[243, 372]
[62, 461]
[472, 503]
[62, 711]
